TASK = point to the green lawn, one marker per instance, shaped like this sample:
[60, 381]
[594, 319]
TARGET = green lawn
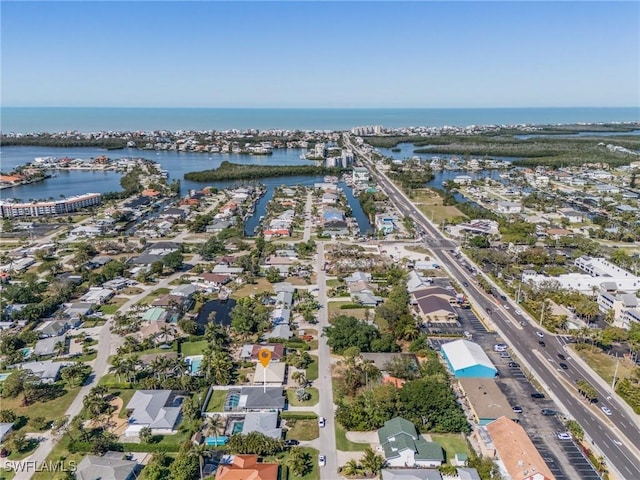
[153, 295]
[51, 410]
[125, 394]
[60, 452]
[603, 364]
[334, 282]
[216, 402]
[346, 445]
[312, 369]
[452, 443]
[291, 397]
[314, 474]
[302, 430]
[193, 348]
[335, 310]
[113, 305]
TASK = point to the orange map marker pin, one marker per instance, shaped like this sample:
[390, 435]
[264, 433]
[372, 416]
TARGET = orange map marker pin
[264, 355]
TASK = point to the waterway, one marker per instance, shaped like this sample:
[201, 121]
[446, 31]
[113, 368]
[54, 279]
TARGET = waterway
[220, 309]
[578, 134]
[75, 182]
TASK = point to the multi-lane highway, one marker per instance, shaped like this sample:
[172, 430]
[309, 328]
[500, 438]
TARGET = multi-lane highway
[616, 436]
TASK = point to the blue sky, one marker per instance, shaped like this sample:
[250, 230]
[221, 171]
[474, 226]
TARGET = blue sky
[320, 54]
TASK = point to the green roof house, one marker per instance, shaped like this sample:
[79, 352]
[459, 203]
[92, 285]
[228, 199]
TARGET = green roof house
[404, 447]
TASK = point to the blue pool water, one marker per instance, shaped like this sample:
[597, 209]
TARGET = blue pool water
[3, 376]
[215, 442]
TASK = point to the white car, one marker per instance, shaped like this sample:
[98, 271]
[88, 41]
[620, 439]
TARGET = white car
[506, 307]
[518, 312]
[322, 422]
[322, 460]
[564, 435]
[607, 411]
[540, 334]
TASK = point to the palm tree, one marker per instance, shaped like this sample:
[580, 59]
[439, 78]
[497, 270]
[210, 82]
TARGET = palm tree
[299, 461]
[351, 469]
[213, 425]
[201, 452]
[372, 462]
[119, 366]
[165, 331]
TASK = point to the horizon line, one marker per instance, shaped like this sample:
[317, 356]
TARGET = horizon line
[319, 108]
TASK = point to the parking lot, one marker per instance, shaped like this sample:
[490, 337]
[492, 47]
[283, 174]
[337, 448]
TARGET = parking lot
[564, 457]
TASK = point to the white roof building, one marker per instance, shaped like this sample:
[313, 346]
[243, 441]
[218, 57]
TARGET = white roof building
[467, 360]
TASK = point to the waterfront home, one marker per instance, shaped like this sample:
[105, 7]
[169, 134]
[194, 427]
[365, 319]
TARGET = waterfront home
[508, 207]
[213, 280]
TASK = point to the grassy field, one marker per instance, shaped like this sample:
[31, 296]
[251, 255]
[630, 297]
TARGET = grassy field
[303, 430]
[334, 282]
[216, 402]
[312, 369]
[314, 474]
[51, 410]
[452, 443]
[153, 295]
[262, 285]
[114, 304]
[346, 445]
[605, 365]
[431, 205]
[193, 348]
[132, 291]
[291, 397]
[59, 452]
[335, 310]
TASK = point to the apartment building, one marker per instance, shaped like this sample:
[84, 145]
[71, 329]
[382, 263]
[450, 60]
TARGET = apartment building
[10, 209]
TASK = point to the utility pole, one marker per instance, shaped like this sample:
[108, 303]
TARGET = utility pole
[615, 374]
[544, 305]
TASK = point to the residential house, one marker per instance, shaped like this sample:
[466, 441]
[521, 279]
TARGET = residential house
[404, 447]
[246, 467]
[274, 374]
[158, 410]
[282, 330]
[49, 346]
[97, 295]
[250, 351]
[155, 314]
[416, 281]
[571, 215]
[108, 467]
[47, 371]
[255, 399]
[52, 328]
[5, 429]
[508, 208]
[265, 423]
[214, 280]
[384, 223]
[411, 474]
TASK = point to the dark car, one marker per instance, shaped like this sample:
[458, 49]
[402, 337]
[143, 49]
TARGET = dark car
[465, 284]
[548, 412]
[564, 366]
[503, 298]
[514, 365]
[537, 395]
[541, 343]
[561, 356]
[516, 409]
[488, 310]
[291, 443]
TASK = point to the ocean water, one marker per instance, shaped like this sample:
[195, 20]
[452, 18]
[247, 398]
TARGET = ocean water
[89, 119]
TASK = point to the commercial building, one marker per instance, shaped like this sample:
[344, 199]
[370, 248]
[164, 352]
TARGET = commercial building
[467, 360]
[486, 400]
[518, 457]
[9, 209]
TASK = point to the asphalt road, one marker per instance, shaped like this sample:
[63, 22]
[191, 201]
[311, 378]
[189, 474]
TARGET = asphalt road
[327, 434]
[616, 436]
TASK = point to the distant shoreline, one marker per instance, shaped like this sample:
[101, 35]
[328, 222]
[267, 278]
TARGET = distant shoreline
[92, 119]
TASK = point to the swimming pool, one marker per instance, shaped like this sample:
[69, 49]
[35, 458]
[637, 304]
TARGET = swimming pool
[194, 362]
[27, 351]
[4, 376]
[232, 400]
[237, 428]
[216, 442]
